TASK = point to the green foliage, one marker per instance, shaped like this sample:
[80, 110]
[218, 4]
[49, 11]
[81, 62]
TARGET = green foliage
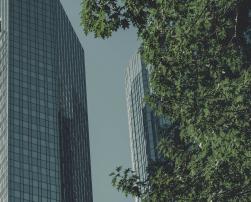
[201, 80]
[127, 182]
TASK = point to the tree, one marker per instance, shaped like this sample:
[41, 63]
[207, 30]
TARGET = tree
[201, 80]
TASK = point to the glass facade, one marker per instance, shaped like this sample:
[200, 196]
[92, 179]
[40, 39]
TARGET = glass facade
[143, 124]
[74, 136]
[4, 101]
[44, 140]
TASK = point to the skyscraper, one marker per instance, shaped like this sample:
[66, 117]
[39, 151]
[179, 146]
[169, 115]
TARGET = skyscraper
[143, 123]
[44, 139]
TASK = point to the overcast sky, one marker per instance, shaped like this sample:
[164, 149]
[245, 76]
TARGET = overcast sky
[106, 61]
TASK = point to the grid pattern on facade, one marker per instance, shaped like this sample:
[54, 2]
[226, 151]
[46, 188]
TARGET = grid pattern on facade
[44, 140]
[3, 101]
[33, 137]
[143, 124]
[74, 136]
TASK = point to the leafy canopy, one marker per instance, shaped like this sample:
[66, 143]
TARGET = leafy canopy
[200, 51]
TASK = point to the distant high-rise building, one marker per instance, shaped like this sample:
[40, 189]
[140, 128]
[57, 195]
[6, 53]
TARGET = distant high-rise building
[44, 138]
[143, 123]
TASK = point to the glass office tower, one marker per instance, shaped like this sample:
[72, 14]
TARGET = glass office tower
[44, 140]
[143, 124]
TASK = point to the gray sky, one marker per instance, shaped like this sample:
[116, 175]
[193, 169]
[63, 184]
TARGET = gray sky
[105, 71]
